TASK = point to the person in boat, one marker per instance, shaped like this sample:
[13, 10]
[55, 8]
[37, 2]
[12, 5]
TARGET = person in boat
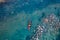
[29, 24]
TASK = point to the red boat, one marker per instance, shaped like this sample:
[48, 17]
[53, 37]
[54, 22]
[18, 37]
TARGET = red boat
[29, 24]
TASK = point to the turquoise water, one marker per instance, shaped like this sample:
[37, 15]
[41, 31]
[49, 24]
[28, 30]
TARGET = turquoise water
[15, 14]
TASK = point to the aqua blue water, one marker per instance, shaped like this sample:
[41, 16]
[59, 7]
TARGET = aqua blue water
[14, 16]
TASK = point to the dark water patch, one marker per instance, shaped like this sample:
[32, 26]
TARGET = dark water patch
[28, 37]
[58, 36]
[42, 16]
